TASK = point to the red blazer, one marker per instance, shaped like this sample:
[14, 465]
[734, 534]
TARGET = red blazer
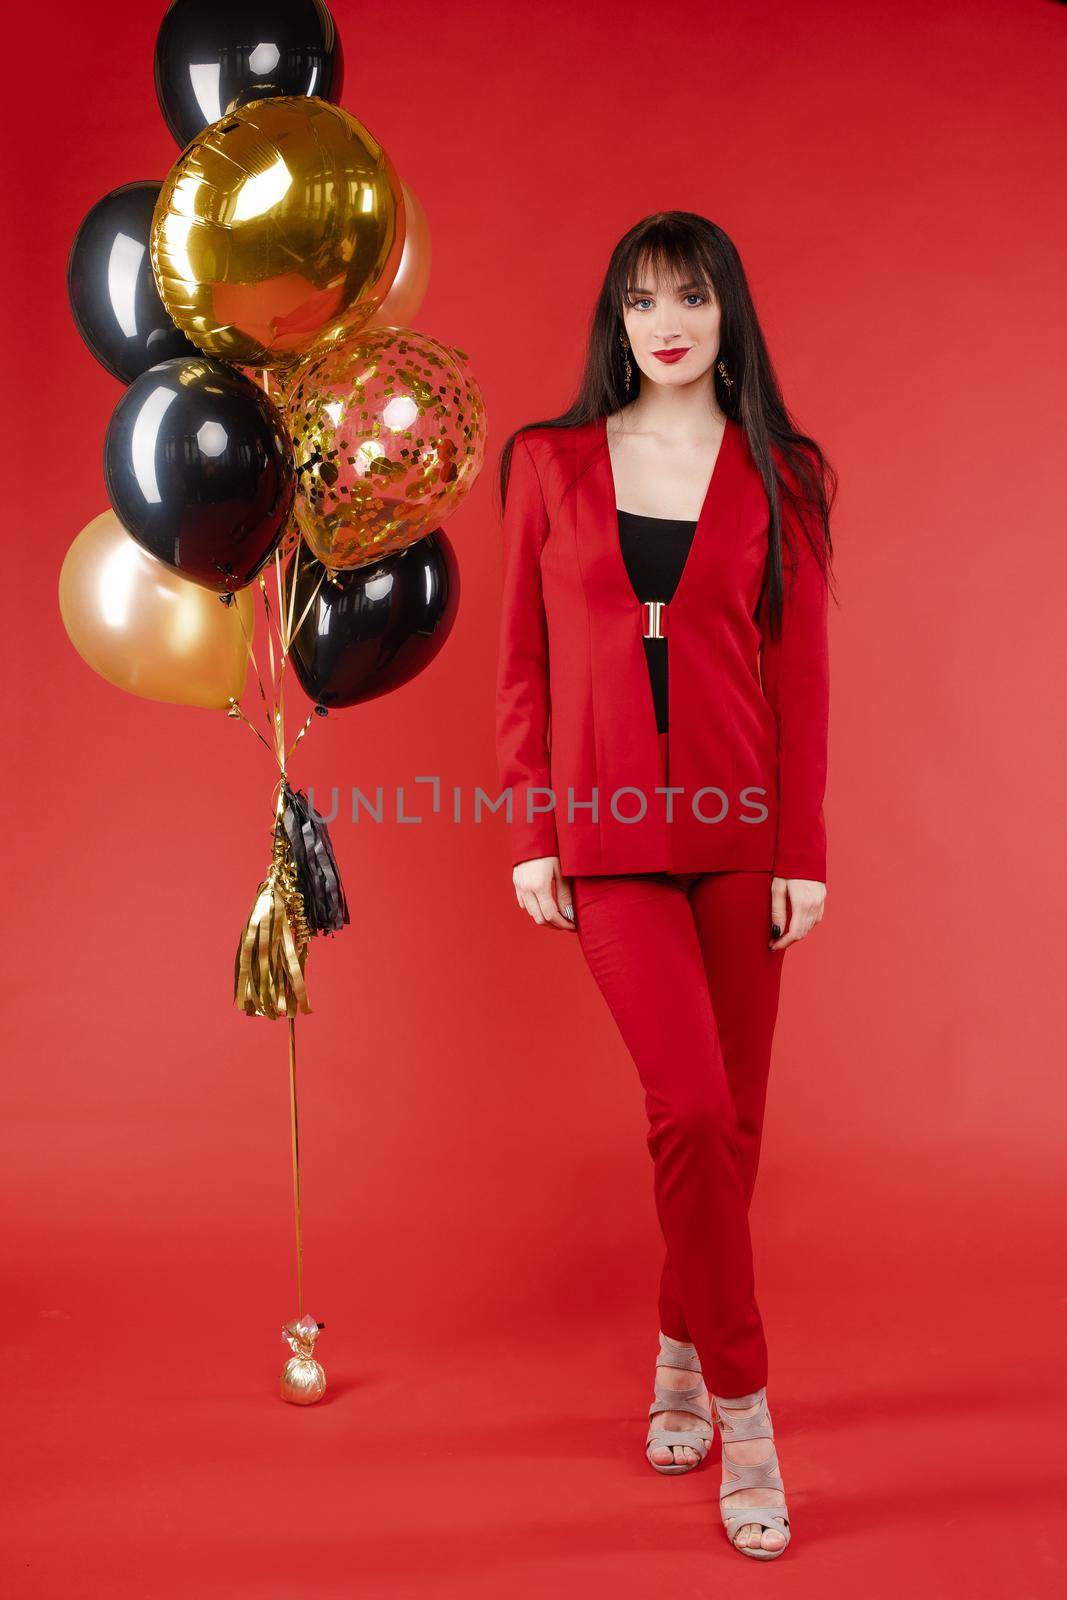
[747, 742]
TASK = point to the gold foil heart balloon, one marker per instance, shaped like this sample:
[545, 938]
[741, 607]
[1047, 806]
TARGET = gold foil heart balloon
[278, 231]
[147, 629]
[389, 433]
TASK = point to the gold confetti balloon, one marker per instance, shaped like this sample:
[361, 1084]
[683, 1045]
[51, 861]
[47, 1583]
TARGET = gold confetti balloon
[389, 433]
[278, 232]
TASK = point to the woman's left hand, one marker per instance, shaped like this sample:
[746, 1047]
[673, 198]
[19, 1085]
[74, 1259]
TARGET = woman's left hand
[806, 899]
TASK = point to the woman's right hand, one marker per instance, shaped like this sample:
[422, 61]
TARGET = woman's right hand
[543, 891]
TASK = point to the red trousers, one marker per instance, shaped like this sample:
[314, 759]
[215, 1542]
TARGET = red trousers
[683, 963]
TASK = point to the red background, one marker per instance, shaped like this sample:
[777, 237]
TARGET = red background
[480, 1236]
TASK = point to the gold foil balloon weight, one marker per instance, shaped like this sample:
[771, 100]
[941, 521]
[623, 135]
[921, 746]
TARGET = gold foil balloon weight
[303, 1378]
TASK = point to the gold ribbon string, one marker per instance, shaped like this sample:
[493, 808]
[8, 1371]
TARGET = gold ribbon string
[271, 954]
[250, 647]
[277, 719]
[300, 735]
[235, 711]
[291, 631]
[296, 1168]
[274, 707]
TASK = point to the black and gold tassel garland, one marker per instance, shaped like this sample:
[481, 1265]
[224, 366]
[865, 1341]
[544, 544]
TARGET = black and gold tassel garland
[319, 880]
[269, 965]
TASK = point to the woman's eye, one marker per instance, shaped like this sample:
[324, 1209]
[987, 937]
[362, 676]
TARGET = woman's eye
[645, 300]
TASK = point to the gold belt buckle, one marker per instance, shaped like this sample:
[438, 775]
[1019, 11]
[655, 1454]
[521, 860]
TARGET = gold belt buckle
[655, 619]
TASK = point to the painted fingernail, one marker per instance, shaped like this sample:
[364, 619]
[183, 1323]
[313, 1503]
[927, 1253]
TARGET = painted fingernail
[776, 932]
[568, 911]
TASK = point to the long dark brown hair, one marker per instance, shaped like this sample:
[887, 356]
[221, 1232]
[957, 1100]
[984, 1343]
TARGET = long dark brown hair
[694, 250]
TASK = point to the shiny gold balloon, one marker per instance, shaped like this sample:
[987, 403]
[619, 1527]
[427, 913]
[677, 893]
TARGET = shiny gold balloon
[401, 305]
[147, 629]
[388, 432]
[278, 231]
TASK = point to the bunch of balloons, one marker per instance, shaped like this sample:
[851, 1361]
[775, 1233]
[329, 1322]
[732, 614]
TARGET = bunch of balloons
[279, 408]
[257, 304]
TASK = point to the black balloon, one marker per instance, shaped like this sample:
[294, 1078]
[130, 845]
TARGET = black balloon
[200, 469]
[112, 293]
[213, 55]
[372, 628]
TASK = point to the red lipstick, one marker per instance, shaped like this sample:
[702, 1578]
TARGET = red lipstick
[672, 355]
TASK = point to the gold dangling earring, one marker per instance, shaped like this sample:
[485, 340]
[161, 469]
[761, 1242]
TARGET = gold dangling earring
[726, 378]
[628, 371]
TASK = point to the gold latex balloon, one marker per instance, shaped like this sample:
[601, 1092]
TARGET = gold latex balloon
[388, 431]
[278, 231]
[401, 305]
[147, 629]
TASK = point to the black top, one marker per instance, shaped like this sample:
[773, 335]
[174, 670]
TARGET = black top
[655, 550]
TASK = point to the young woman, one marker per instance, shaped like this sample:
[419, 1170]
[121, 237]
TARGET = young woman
[661, 717]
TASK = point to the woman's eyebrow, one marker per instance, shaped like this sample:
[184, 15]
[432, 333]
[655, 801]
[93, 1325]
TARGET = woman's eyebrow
[681, 289]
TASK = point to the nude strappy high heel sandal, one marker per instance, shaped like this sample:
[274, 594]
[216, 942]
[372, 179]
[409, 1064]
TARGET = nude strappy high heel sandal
[679, 1400]
[754, 1475]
